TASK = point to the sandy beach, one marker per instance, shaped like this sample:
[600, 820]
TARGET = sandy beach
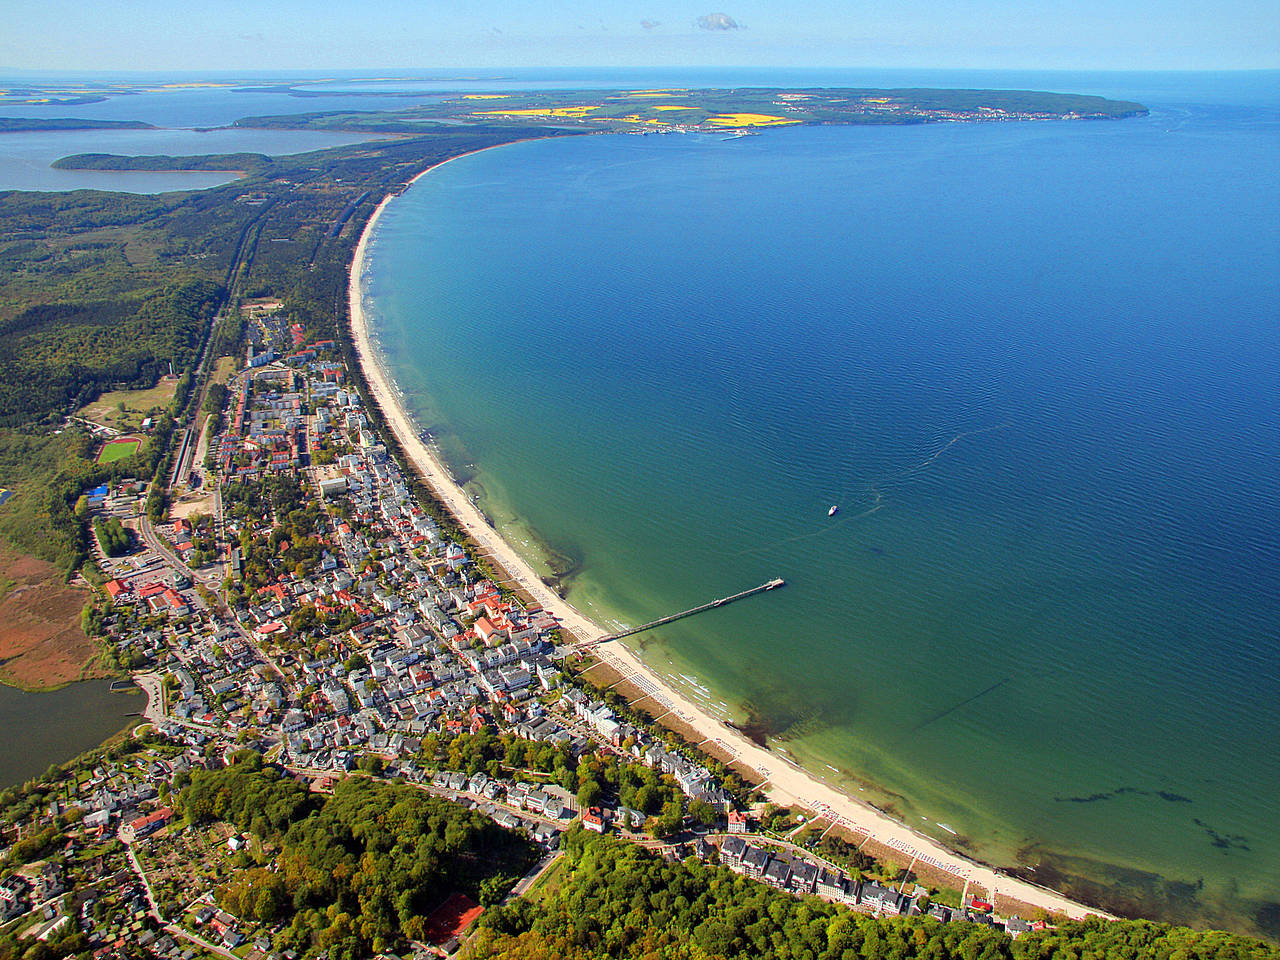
[786, 783]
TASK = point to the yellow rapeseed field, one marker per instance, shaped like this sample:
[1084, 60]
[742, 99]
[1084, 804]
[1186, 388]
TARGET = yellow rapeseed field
[748, 120]
[575, 113]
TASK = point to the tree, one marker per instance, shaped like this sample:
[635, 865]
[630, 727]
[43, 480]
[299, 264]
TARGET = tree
[589, 794]
[494, 889]
[703, 812]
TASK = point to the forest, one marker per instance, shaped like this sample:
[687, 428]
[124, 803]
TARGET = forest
[619, 900]
[355, 873]
[255, 162]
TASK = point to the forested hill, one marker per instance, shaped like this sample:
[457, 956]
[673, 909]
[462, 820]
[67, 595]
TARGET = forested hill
[31, 124]
[621, 901]
[256, 163]
[355, 873]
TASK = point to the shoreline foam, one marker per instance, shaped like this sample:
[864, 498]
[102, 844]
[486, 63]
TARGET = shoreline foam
[785, 782]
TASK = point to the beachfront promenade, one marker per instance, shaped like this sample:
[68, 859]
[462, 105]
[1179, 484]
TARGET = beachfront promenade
[785, 782]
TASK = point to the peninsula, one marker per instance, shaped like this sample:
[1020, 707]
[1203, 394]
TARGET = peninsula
[710, 110]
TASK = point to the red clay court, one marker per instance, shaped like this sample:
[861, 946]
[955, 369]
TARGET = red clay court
[452, 918]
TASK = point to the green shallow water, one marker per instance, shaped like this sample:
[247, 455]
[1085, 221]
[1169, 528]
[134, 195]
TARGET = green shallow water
[1045, 614]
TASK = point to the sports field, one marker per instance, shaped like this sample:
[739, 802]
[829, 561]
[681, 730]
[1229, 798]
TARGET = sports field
[119, 449]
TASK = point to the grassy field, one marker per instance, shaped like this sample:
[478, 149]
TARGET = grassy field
[119, 450]
[223, 370]
[108, 411]
[549, 884]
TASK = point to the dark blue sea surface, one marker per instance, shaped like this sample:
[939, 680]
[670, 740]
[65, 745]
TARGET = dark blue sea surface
[1034, 364]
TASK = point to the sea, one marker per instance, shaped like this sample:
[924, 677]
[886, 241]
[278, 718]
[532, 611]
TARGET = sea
[1032, 364]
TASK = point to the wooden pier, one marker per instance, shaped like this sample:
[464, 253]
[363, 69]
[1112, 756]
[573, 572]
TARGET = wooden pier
[770, 585]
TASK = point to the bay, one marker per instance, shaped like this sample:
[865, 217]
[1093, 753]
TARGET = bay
[1034, 364]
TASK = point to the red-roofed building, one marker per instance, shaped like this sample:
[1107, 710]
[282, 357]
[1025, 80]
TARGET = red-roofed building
[145, 826]
[115, 589]
[275, 589]
[485, 629]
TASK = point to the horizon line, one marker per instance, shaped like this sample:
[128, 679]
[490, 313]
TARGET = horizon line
[413, 72]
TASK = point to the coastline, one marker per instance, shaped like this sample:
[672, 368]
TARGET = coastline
[784, 782]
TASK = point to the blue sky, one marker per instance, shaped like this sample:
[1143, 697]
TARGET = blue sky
[327, 35]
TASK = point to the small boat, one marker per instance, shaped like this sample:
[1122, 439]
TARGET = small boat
[833, 511]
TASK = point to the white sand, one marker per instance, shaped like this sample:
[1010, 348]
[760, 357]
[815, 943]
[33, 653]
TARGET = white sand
[785, 783]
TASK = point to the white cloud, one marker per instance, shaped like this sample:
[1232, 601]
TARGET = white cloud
[717, 21]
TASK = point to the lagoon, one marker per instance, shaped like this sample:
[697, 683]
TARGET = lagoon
[40, 729]
[25, 158]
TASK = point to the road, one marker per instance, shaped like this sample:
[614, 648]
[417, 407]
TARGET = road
[146, 884]
[156, 543]
[530, 878]
[178, 931]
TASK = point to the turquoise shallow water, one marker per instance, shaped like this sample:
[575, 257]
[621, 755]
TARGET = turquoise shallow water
[1034, 364]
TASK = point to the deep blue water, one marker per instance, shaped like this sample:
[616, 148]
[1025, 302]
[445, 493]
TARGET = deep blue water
[1035, 364]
